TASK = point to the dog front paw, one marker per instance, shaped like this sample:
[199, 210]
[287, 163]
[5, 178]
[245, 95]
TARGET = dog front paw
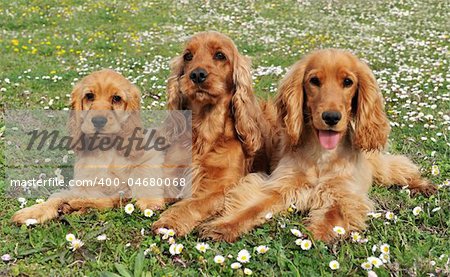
[219, 232]
[39, 212]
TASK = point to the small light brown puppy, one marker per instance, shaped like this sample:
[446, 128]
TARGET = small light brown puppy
[213, 80]
[333, 115]
[107, 105]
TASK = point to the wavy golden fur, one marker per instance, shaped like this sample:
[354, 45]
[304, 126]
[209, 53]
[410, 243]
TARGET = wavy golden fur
[332, 113]
[104, 97]
[213, 80]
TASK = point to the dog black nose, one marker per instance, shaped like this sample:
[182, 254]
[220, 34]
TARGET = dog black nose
[331, 118]
[198, 75]
[99, 121]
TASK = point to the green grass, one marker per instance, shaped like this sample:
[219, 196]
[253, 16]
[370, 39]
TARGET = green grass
[405, 42]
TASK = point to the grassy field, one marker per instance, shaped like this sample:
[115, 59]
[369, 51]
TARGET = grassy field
[47, 45]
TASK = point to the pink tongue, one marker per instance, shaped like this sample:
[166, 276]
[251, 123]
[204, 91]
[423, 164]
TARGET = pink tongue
[329, 139]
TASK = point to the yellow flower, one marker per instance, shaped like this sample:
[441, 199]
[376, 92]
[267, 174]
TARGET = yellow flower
[15, 42]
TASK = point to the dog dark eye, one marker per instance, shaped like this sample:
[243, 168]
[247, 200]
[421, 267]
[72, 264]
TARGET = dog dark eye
[348, 82]
[314, 81]
[188, 57]
[89, 96]
[116, 99]
[219, 56]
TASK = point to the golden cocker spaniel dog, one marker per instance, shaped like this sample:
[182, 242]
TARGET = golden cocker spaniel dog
[332, 112]
[213, 80]
[105, 106]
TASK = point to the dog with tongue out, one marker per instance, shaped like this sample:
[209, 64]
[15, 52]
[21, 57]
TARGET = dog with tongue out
[335, 129]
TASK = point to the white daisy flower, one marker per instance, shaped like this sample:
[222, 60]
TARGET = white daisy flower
[31, 221]
[390, 216]
[6, 258]
[219, 259]
[243, 256]
[435, 170]
[248, 271]
[170, 232]
[384, 258]
[70, 237]
[22, 201]
[366, 265]
[298, 242]
[376, 262]
[306, 244]
[436, 209]
[76, 244]
[175, 249]
[179, 248]
[40, 201]
[339, 230]
[172, 249]
[101, 237]
[334, 265]
[148, 213]
[162, 231]
[262, 249]
[268, 216]
[202, 247]
[371, 273]
[364, 240]
[374, 215]
[417, 210]
[296, 232]
[171, 240]
[432, 263]
[384, 248]
[235, 265]
[355, 236]
[129, 208]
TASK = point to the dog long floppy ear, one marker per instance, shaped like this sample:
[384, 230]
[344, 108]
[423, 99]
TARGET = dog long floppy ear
[175, 100]
[371, 124]
[289, 101]
[76, 108]
[246, 109]
[133, 124]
